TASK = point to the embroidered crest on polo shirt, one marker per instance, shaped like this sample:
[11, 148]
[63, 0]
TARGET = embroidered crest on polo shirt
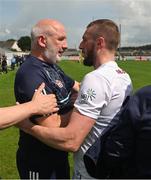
[59, 83]
[88, 96]
[120, 71]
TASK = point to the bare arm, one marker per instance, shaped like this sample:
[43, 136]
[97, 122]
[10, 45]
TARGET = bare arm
[40, 104]
[76, 86]
[56, 120]
[50, 121]
[69, 138]
[60, 120]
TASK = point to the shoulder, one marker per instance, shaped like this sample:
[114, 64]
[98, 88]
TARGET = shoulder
[146, 90]
[96, 74]
[30, 67]
[102, 75]
[97, 83]
[143, 94]
[141, 100]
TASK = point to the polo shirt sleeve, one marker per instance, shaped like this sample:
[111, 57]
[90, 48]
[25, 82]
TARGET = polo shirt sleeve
[25, 85]
[94, 94]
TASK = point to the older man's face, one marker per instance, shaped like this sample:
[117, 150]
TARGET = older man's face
[56, 45]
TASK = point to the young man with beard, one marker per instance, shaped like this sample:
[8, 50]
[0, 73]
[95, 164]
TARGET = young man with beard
[101, 96]
[48, 42]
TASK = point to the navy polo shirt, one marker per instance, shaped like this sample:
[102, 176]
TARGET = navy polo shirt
[28, 78]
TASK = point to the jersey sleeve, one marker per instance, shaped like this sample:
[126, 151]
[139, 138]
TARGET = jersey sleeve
[94, 94]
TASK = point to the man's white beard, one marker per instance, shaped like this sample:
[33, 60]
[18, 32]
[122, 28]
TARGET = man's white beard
[50, 56]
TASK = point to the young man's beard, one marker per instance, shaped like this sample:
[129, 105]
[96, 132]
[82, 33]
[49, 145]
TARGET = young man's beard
[89, 60]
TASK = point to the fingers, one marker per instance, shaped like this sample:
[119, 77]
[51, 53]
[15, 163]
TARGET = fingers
[45, 103]
[56, 109]
[41, 87]
[51, 112]
[52, 96]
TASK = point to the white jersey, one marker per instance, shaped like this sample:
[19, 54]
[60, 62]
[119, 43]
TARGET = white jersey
[101, 96]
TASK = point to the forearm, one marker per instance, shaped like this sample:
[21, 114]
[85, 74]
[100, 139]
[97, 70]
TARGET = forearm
[58, 138]
[67, 138]
[65, 119]
[12, 115]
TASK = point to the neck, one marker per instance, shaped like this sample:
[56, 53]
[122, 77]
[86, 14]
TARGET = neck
[38, 55]
[103, 58]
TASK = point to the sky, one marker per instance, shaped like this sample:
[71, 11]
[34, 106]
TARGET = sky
[18, 16]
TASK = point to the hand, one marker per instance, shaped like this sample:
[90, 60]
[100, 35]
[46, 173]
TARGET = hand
[44, 104]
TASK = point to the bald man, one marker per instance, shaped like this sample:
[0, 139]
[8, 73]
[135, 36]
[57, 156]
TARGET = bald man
[48, 42]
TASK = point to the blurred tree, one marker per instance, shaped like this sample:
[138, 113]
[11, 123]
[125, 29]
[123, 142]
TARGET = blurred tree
[24, 43]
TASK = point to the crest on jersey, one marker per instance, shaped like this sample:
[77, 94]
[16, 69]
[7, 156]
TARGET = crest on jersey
[59, 83]
[88, 96]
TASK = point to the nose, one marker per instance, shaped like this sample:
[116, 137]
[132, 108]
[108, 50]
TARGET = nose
[65, 45]
[81, 45]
